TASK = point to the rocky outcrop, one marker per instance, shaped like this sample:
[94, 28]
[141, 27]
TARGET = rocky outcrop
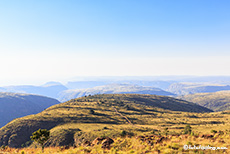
[104, 141]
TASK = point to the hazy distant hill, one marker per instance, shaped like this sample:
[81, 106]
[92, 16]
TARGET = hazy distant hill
[14, 105]
[50, 89]
[91, 84]
[112, 89]
[106, 108]
[158, 84]
[217, 101]
[74, 89]
[192, 88]
[224, 80]
[85, 84]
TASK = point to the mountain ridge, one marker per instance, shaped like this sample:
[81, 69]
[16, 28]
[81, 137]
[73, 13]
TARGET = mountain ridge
[112, 89]
[94, 109]
[192, 88]
[15, 105]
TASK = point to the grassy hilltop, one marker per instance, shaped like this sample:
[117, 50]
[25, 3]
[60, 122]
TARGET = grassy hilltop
[118, 115]
[112, 89]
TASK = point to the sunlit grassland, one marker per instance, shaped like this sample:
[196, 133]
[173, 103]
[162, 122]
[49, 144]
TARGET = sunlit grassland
[128, 145]
[131, 144]
[84, 119]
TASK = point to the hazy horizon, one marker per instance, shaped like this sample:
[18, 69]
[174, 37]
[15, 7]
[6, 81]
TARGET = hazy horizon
[119, 79]
[43, 41]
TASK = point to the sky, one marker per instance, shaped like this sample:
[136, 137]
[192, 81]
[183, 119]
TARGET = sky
[57, 40]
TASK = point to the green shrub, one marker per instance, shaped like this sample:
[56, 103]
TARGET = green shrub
[3, 147]
[187, 129]
[41, 136]
[123, 133]
[189, 143]
[91, 111]
[213, 131]
[166, 131]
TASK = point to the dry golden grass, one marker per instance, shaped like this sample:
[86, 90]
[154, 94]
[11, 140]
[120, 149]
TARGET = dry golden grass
[74, 117]
[136, 145]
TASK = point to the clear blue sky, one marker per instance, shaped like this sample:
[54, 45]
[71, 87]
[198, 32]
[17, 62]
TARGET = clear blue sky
[59, 39]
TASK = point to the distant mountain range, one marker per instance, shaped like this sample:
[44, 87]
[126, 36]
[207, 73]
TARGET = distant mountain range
[50, 89]
[91, 84]
[217, 101]
[112, 89]
[15, 105]
[192, 88]
[57, 90]
[168, 85]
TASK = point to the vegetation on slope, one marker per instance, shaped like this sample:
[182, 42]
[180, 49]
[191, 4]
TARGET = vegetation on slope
[101, 109]
[218, 101]
[162, 138]
[150, 144]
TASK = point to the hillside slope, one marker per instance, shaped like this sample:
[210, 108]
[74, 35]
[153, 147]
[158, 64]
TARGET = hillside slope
[217, 101]
[15, 105]
[112, 89]
[100, 109]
